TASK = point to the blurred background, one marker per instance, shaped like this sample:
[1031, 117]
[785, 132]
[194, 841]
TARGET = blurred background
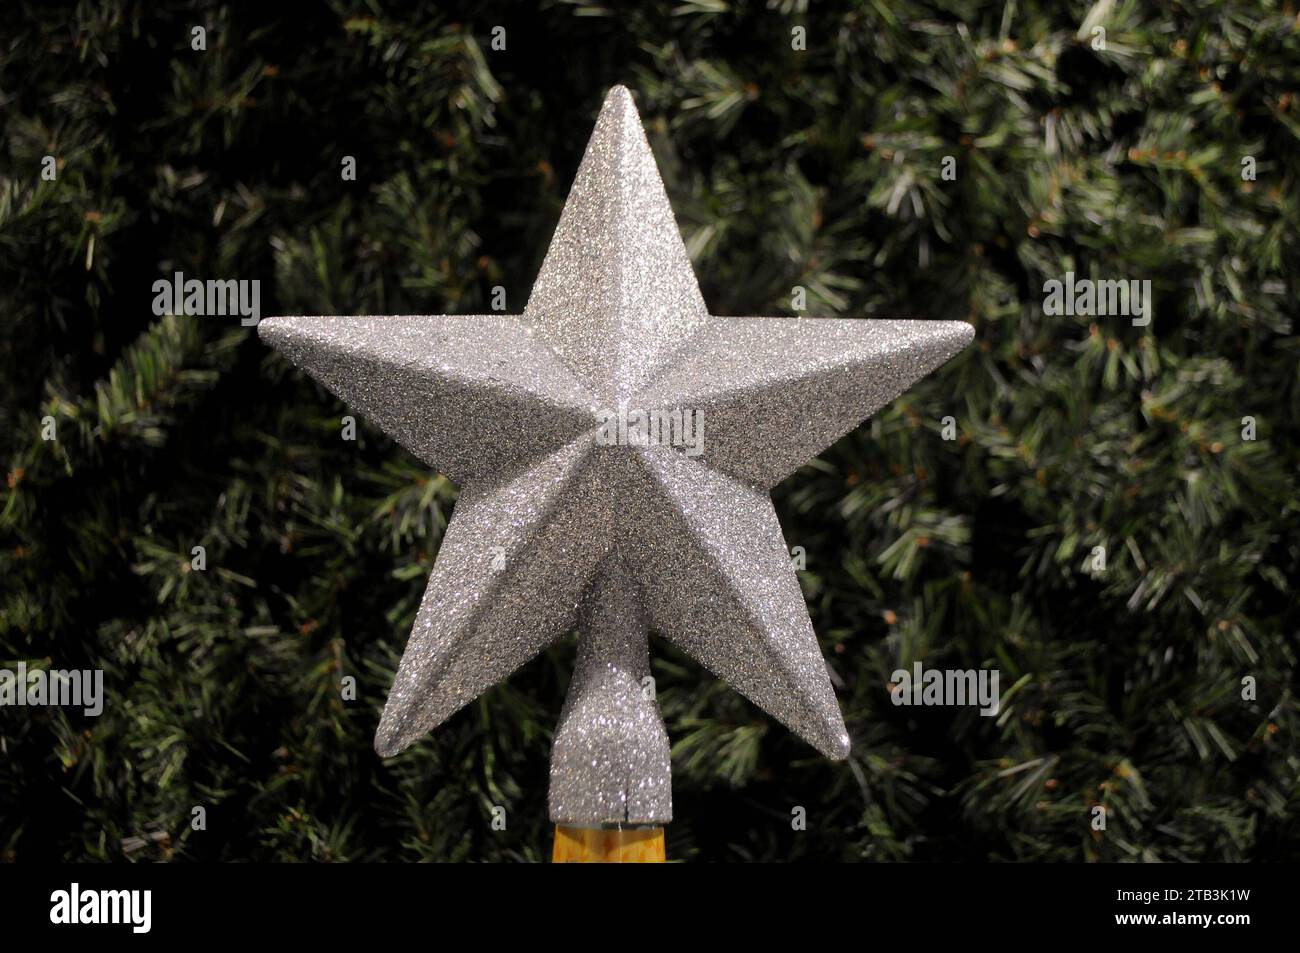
[817, 168]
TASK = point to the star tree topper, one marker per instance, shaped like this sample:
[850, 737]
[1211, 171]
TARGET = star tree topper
[556, 528]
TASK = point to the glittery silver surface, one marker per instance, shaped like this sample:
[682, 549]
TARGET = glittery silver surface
[616, 294]
[555, 529]
[610, 763]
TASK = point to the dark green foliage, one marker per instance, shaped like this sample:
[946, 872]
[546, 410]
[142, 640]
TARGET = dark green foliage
[817, 168]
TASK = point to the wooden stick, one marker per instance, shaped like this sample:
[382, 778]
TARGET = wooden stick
[608, 845]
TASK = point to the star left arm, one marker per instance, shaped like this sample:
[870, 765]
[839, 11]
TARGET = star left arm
[471, 395]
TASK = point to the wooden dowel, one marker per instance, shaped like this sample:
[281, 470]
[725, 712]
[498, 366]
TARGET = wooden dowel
[608, 845]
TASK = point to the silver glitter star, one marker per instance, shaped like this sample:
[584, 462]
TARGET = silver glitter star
[565, 522]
